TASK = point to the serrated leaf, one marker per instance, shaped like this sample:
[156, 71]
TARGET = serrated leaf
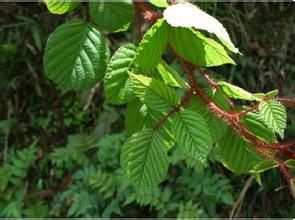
[117, 83]
[75, 56]
[152, 45]
[192, 134]
[144, 159]
[274, 116]
[254, 125]
[235, 153]
[216, 126]
[190, 16]
[61, 6]
[134, 116]
[236, 92]
[196, 48]
[153, 118]
[159, 3]
[170, 76]
[153, 93]
[112, 16]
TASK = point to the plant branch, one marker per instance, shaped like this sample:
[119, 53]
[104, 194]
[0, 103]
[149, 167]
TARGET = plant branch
[233, 120]
[289, 102]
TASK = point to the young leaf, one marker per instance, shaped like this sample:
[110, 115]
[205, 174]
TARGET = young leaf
[192, 134]
[274, 116]
[152, 46]
[144, 159]
[112, 16]
[236, 92]
[190, 16]
[153, 93]
[75, 56]
[61, 6]
[196, 48]
[170, 76]
[117, 83]
[159, 3]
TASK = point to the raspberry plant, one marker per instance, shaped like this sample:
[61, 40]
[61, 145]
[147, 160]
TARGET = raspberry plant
[164, 108]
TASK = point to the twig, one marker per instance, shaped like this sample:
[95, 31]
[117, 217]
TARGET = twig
[241, 197]
[289, 102]
[91, 96]
[250, 109]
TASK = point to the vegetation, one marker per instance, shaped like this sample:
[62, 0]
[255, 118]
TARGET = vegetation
[133, 122]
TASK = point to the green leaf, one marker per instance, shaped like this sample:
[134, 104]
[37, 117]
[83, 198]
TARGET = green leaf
[153, 118]
[152, 46]
[196, 48]
[112, 16]
[144, 159]
[75, 56]
[170, 76]
[235, 153]
[192, 134]
[153, 93]
[159, 3]
[291, 164]
[255, 125]
[216, 126]
[269, 95]
[264, 166]
[61, 6]
[274, 116]
[135, 116]
[190, 16]
[236, 92]
[117, 83]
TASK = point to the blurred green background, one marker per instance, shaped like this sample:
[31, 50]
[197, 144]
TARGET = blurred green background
[60, 158]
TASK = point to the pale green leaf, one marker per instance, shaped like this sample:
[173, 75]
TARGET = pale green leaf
[112, 16]
[274, 115]
[192, 134]
[144, 159]
[75, 56]
[196, 48]
[61, 6]
[152, 45]
[155, 94]
[117, 83]
[190, 16]
[159, 3]
[236, 92]
[170, 76]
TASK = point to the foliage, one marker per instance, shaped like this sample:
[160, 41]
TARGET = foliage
[60, 160]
